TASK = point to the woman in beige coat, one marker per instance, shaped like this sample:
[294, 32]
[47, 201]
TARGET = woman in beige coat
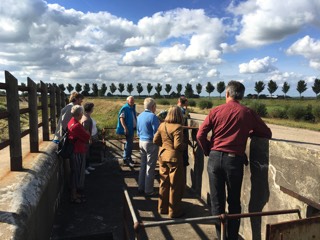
[170, 139]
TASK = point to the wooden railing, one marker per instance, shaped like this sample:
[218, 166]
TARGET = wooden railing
[36, 102]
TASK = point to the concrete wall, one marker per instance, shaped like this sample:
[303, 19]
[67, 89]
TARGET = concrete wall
[281, 175]
[28, 199]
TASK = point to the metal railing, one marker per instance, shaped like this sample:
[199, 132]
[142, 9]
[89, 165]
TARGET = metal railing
[223, 218]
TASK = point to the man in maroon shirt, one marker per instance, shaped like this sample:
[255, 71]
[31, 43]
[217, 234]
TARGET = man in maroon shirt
[230, 125]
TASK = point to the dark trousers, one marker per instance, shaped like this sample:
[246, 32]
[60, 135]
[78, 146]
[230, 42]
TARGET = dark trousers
[225, 172]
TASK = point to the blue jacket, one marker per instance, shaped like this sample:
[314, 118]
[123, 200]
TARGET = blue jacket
[128, 118]
[147, 125]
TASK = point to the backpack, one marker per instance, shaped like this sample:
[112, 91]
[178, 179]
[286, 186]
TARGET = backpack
[65, 146]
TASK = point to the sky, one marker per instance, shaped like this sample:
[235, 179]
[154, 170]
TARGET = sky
[166, 42]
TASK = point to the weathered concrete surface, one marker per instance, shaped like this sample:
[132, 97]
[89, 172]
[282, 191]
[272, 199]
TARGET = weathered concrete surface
[103, 211]
[284, 173]
[29, 198]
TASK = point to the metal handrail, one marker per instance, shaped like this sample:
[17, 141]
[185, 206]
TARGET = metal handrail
[222, 217]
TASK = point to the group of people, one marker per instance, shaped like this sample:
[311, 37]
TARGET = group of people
[82, 131]
[161, 138]
[222, 137]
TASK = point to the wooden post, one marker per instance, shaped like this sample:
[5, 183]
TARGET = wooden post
[44, 109]
[33, 116]
[63, 99]
[53, 108]
[58, 100]
[14, 122]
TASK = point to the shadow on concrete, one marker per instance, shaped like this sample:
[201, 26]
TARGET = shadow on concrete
[260, 192]
[101, 217]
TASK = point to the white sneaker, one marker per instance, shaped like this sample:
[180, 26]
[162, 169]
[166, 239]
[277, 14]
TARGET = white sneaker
[90, 168]
[87, 172]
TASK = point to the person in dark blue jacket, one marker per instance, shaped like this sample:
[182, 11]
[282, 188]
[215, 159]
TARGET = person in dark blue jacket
[127, 121]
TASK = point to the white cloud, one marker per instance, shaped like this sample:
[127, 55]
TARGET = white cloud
[143, 56]
[264, 22]
[308, 48]
[51, 43]
[255, 65]
[213, 73]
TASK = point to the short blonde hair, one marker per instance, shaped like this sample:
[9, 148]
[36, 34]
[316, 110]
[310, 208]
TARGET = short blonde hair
[149, 103]
[76, 110]
[174, 115]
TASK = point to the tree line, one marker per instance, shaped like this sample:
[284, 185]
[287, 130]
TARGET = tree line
[259, 87]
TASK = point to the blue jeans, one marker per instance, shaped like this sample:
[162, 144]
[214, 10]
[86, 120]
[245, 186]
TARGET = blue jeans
[128, 147]
[226, 170]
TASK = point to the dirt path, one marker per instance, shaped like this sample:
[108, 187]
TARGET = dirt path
[306, 138]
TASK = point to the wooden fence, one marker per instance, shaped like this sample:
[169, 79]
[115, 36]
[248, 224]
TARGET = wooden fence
[36, 102]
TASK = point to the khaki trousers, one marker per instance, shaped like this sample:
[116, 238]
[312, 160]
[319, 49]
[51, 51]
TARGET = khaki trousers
[171, 189]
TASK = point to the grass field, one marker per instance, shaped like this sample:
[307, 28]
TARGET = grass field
[106, 111]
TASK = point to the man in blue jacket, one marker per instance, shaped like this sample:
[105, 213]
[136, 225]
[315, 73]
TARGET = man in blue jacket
[127, 121]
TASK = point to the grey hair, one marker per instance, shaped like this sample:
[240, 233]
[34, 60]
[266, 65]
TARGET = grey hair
[129, 97]
[149, 103]
[76, 110]
[236, 90]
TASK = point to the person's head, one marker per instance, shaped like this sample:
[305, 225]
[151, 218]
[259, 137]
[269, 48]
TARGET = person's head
[182, 101]
[77, 112]
[235, 90]
[88, 107]
[76, 98]
[150, 104]
[174, 115]
[130, 100]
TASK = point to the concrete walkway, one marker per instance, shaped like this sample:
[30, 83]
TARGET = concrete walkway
[101, 216]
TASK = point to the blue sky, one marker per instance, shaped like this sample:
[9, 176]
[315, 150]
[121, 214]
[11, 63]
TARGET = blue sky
[167, 42]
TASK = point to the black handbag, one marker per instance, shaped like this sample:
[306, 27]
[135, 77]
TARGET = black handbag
[65, 146]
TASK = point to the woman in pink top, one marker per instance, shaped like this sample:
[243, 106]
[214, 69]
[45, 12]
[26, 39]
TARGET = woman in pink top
[80, 137]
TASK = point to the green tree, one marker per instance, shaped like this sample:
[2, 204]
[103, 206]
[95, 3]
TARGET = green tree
[259, 87]
[272, 87]
[95, 89]
[103, 90]
[139, 88]
[179, 88]
[301, 87]
[199, 88]
[70, 88]
[285, 88]
[129, 88]
[188, 92]
[168, 88]
[86, 89]
[78, 87]
[209, 88]
[149, 88]
[121, 88]
[221, 86]
[62, 87]
[113, 88]
[158, 88]
[316, 87]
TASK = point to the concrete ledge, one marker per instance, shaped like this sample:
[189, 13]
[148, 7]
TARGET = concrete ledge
[29, 198]
[283, 173]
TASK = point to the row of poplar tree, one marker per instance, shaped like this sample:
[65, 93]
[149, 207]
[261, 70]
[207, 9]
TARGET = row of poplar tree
[259, 87]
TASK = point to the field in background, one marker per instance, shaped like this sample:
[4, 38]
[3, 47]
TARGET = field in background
[106, 111]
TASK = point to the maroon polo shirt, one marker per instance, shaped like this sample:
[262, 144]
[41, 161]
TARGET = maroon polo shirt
[231, 125]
